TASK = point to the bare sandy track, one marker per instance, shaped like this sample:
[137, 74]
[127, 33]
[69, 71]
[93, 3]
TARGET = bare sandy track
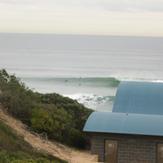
[53, 148]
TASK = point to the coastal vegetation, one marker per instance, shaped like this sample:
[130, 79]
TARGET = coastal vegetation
[58, 118]
[13, 149]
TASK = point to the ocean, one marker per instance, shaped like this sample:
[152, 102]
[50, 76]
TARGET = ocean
[85, 68]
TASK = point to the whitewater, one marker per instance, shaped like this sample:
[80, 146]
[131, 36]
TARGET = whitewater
[85, 68]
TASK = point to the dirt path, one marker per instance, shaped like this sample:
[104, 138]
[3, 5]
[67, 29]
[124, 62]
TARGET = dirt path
[53, 148]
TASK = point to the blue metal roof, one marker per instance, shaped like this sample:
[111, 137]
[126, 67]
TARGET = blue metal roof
[139, 97]
[122, 123]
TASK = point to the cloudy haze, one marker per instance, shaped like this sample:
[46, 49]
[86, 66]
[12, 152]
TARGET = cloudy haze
[104, 17]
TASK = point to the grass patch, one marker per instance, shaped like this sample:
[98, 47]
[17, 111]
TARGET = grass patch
[13, 149]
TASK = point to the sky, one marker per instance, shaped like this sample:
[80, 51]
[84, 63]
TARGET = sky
[90, 17]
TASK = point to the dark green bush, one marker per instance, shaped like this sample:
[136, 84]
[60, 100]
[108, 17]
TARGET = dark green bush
[61, 118]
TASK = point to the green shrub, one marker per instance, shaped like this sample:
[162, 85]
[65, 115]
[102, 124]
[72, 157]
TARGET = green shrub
[13, 149]
[61, 118]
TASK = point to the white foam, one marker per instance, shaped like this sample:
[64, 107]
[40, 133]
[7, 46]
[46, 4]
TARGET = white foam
[90, 100]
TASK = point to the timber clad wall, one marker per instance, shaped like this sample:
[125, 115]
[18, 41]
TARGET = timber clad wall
[97, 146]
[141, 151]
[130, 149]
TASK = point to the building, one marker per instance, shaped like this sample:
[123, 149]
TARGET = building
[133, 131]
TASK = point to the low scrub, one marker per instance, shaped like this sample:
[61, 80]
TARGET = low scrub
[61, 118]
[13, 149]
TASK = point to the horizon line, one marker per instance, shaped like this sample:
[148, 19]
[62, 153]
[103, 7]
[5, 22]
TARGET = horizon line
[89, 35]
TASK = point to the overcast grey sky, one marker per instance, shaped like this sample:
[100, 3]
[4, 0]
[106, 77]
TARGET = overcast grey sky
[99, 17]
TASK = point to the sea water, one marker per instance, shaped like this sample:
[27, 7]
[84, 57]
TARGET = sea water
[85, 68]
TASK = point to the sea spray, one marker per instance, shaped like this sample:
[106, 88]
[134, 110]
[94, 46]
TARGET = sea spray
[97, 102]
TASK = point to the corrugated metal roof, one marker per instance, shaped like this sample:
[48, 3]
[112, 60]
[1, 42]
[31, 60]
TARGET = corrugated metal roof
[139, 97]
[122, 123]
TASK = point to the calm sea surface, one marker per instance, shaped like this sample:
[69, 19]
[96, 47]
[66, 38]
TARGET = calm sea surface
[85, 68]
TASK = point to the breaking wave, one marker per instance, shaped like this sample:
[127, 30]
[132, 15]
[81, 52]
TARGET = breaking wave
[93, 101]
